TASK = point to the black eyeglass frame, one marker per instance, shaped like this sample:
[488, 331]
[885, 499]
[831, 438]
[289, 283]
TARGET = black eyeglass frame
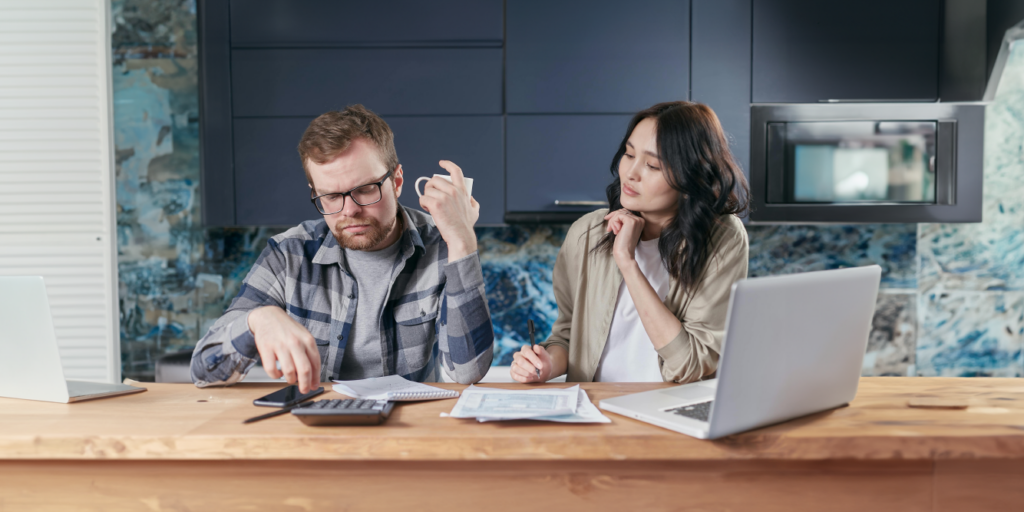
[348, 195]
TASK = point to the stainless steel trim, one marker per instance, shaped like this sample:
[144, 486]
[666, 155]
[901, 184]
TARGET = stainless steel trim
[945, 163]
[857, 100]
[545, 217]
[580, 203]
[776, 162]
[1014, 33]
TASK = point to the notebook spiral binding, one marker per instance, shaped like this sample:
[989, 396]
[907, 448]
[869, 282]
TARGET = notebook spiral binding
[423, 395]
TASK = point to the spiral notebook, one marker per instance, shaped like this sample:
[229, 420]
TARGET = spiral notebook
[392, 387]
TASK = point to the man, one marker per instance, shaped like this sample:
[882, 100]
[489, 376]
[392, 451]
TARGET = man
[373, 288]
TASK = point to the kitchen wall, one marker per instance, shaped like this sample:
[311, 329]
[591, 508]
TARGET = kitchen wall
[952, 300]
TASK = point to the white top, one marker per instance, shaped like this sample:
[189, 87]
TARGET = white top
[629, 355]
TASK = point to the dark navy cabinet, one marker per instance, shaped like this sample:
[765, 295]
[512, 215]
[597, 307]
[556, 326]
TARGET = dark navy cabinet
[474, 143]
[283, 23]
[530, 97]
[433, 70]
[270, 186]
[559, 165]
[574, 75]
[408, 81]
[601, 56]
[720, 68]
[808, 51]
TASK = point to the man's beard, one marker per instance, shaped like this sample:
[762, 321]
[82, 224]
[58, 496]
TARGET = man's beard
[371, 237]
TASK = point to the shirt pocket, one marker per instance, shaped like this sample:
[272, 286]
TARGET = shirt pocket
[415, 334]
[418, 311]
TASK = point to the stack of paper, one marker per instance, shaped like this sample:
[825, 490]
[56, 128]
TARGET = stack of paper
[570, 405]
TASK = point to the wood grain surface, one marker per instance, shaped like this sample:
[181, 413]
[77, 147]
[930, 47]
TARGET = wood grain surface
[108, 486]
[182, 422]
[176, 448]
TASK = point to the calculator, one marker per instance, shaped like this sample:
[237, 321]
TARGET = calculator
[325, 413]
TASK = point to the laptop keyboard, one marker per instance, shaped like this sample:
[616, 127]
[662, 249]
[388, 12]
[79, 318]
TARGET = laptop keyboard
[699, 411]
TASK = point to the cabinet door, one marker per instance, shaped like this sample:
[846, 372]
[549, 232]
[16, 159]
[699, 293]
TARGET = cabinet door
[270, 184]
[560, 158]
[721, 68]
[473, 143]
[330, 22]
[600, 56]
[806, 51]
[271, 188]
[215, 157]
[420, 81]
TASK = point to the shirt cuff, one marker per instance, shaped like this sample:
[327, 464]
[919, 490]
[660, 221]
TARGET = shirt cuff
[674, 353]
[556, 343]
[242, 339]
[463, 274]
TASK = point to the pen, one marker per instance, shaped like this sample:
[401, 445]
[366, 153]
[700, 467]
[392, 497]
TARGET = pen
[277, 412]
[529, 326]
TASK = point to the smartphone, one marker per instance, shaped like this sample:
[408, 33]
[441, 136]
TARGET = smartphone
[285, 397]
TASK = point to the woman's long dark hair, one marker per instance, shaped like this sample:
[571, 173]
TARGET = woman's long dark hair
[697, 163]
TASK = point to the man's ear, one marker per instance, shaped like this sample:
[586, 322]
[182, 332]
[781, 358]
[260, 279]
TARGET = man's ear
[399, 179]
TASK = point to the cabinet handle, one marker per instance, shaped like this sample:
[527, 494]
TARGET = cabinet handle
[580, 203]
[880, 100]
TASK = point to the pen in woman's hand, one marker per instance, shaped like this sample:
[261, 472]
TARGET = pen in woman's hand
[529, 326]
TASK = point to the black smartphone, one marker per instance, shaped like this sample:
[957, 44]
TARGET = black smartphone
[285, 397]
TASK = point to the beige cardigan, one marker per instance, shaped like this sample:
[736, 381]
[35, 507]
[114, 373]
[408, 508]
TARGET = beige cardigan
[586, 285]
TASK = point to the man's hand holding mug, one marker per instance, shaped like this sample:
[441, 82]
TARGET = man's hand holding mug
[449, 201]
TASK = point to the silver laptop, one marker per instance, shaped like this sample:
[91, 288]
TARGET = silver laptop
[793, 346]
[30, 365]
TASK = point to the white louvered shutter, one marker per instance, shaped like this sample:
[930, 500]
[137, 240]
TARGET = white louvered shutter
[56, 174]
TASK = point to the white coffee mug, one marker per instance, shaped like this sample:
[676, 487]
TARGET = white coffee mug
[467, 181]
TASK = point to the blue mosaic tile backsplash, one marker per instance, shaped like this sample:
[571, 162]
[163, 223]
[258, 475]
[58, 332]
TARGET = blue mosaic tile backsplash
[952, 299]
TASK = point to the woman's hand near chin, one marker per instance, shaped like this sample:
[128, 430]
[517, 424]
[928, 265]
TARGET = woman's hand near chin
[627, 229]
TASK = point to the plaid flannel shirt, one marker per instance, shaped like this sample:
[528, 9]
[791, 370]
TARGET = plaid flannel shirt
[435, 313]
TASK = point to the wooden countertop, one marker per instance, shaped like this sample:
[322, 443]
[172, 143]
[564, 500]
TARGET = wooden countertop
[182, 422]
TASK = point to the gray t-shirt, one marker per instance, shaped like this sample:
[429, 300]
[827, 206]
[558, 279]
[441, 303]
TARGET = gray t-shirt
[364, 354]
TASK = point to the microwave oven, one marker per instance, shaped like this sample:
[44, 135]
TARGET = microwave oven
[866, 162]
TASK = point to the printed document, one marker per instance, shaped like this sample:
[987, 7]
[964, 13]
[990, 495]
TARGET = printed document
[569, 405]
[586, 412]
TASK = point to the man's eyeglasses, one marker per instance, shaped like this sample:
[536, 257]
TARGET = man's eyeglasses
[365, 195]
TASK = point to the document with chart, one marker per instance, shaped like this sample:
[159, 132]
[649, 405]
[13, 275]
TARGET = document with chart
[570, 405]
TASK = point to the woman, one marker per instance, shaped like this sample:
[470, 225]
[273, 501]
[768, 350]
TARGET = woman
[642, 288]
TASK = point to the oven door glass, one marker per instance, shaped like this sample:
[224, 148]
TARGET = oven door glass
[852, 162]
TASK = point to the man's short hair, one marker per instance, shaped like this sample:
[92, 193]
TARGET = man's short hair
[332, 133]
